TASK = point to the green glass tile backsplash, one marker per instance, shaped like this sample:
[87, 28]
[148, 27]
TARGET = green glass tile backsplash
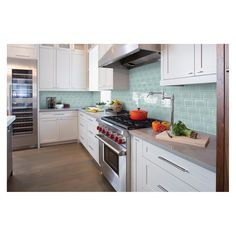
[75, 99]
[195, 105]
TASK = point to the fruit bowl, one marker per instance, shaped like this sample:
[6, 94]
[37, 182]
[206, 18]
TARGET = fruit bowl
[59, 106]
[116, 107]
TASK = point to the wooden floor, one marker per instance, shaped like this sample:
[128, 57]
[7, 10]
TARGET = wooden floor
[58, 168]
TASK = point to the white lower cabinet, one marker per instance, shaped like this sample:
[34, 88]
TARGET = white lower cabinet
[58, 126]
[155, 169]
[68, 128]
[49, 130]
[87, 131]
[157, 179]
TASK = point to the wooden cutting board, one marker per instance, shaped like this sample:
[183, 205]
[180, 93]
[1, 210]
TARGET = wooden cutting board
[201, 141]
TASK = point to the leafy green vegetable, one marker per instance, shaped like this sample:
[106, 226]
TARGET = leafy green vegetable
[180, 129]
[100, 103]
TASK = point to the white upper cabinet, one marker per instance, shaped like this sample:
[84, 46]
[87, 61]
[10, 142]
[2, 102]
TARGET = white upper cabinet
[105, 78]
[23, 51]
[78, 76]
[179, 61]
[63, 68]
[93, 69]
[47, 68]
[188, 64]
[205, 59]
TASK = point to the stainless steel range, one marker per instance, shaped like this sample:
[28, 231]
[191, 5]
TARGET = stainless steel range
[115, 149]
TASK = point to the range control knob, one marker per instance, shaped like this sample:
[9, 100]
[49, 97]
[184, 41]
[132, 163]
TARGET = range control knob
[116, 138]
[103, 130]
[98, 127]
[120, 140]
[111, 135]
[107, 133]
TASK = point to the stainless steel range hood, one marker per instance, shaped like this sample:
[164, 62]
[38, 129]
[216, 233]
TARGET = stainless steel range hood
[130, 55]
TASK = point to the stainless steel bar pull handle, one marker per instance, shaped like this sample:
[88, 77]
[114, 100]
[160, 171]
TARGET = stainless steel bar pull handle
[118, 152]
[173, 164]
[162, 188]
[19, 55]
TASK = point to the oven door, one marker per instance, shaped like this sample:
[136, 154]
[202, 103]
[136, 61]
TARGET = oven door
[113, 162]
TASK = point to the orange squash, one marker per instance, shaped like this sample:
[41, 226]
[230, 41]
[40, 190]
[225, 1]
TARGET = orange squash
[155, 125]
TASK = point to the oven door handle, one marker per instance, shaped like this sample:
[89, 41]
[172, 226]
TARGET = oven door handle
[118, 152]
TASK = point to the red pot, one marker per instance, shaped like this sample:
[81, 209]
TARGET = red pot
[138, 114]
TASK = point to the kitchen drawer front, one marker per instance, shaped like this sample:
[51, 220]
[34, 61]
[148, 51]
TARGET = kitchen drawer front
[198, 177]
[58, 114]
[83, 137]
[93, 148]
[155, 179]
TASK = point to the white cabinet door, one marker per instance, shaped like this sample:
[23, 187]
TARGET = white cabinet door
[205, 59]
[156, 179]
[179, 61]
[93, 69]
[68, 128]
[136, 167]
[49, 130]
[24, 51]
[63, 68]
[105, 79]
[47, 68]
[78, 76]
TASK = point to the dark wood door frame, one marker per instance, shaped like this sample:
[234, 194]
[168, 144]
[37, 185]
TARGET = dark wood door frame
[222, 152]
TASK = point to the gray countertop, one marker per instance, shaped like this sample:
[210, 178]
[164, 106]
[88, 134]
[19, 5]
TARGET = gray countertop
[54, 109]
[204, 157]
[96, 115]
[10, 119]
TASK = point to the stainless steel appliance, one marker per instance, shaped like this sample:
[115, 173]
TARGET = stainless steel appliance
[130, 55]
[9, 151]
[115, 148]
[22, 101]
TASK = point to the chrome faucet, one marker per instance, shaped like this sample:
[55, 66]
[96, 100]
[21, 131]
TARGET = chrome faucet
[172, 99]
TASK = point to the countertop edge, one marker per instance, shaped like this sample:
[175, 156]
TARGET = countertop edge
[181, 155]
[58, 110]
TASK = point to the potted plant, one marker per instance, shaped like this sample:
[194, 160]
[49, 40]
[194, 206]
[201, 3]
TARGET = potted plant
[100, 105]
[59, 105]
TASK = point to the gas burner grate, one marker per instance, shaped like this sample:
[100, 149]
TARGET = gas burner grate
[125, 122]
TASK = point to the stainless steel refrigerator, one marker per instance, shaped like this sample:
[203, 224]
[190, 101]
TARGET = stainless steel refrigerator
[22, 101]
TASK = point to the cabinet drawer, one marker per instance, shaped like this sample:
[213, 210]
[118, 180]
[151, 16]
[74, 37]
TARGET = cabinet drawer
[83, 137]
[93, 148]
[157, 179]
[194, 175]
[58, 114]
